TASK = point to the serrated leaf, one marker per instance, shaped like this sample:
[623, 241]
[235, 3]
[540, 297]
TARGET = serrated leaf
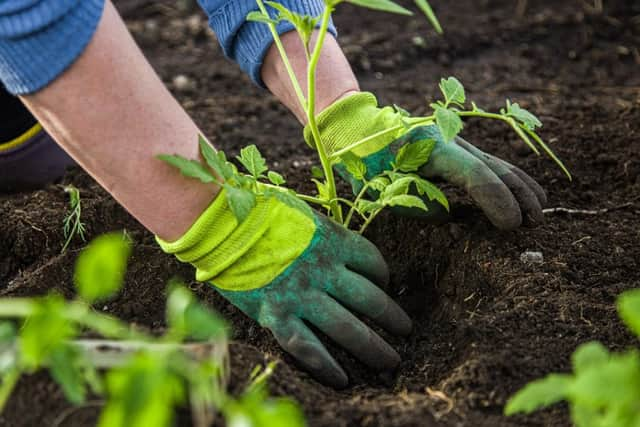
[539, 394]
[101, 267]
[188, 168]
[253, 161]
[530, 121]
[275, 178]
[216, 159]
[368, 206]
[425, 187]
[453, 90]
[379, 183]
[257, 16]
[588, 356]
[407, 201]
[240, 200]
[412, 156]
[397, 187]
[354, 165]
[323, 189]
[426, 8]
[383, 5]
[629, 310]
[448, 122]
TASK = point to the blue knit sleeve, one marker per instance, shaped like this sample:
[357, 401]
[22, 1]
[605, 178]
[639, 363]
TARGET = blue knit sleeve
[247, 42]
[40, 39]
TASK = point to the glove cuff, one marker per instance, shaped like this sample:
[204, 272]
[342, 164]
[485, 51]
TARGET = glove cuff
[352, 119]
[243, 256]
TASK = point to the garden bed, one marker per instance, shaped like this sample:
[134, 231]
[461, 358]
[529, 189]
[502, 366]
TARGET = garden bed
[485, 322]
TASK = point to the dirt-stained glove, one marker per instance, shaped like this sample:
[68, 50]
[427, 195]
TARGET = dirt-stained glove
[284, 267]
[504, 192]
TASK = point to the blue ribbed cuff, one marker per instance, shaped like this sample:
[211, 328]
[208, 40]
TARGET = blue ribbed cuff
[247, 42]
[40, 39]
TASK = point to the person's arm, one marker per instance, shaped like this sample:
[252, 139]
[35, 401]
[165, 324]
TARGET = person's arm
[112, 113]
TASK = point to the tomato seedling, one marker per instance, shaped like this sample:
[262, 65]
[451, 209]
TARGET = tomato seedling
[390, 188]
[72, 224]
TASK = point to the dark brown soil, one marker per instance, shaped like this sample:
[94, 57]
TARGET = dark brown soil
[485, 322]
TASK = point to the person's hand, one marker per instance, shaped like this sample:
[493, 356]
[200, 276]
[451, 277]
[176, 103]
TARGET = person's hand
[506, 194]
[284, 267]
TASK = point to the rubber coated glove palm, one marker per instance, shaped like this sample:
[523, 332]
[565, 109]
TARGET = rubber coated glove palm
[504, 192]
[283, 267]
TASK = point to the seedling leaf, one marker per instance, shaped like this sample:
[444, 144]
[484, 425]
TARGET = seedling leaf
[216, 159]
[412, 156]
[355, 166]
[188, 168]
[407, 201]
[367, 206]
[383, 5]
[453, 91]
[275, 178]
[426, 8]
[379, 183]
[589, 355]
[66, 365]
[629, 309]
[240, 200]
[188, 318]
[539, 394]
[101, 267]
[448, 122]
[530, 121]
[323, 191]
[316, 172]
[257, 16]
[425, 187]
[253, 161]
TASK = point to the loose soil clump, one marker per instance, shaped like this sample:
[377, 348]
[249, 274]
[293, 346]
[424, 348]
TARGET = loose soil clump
[486, 323]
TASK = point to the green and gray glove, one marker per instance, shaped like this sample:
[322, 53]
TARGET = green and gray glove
[284, 267]
[504, 192]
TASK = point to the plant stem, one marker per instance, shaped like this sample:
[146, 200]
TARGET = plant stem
[9, 381]
[336, 209]
[368, 221]
[283, 55]
[353, 209]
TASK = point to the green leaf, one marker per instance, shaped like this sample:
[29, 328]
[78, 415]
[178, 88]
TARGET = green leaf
[323, 189]
[448, 122]
[425, 187]
[44, 331]
[240, 200]
[397, 187]
[407, 201]
[629, 310]
[355, 166]
[101, 267]
[379, 183]
[144, 392]
[588, 356]
[453, 90]
[216, 159]
[275, 178]
[426, 8]
[530, 121]
[189, 318]
[401, 111]
[257, 16]
[8, 357]
[539, 394]
[188, 168]
[383, 5]
[414, 155]
[66, 365]
[253, 161]
[367, 206]
[317, 172]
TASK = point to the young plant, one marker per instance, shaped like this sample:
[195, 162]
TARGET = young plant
[142, 378]
[390, 188]
[604, 389]
[72, 225]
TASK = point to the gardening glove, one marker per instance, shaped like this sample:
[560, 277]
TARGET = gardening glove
[285, 267]
[504, 192]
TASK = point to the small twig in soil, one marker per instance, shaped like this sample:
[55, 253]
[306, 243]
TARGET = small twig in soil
[70, 411]
[585, 211]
